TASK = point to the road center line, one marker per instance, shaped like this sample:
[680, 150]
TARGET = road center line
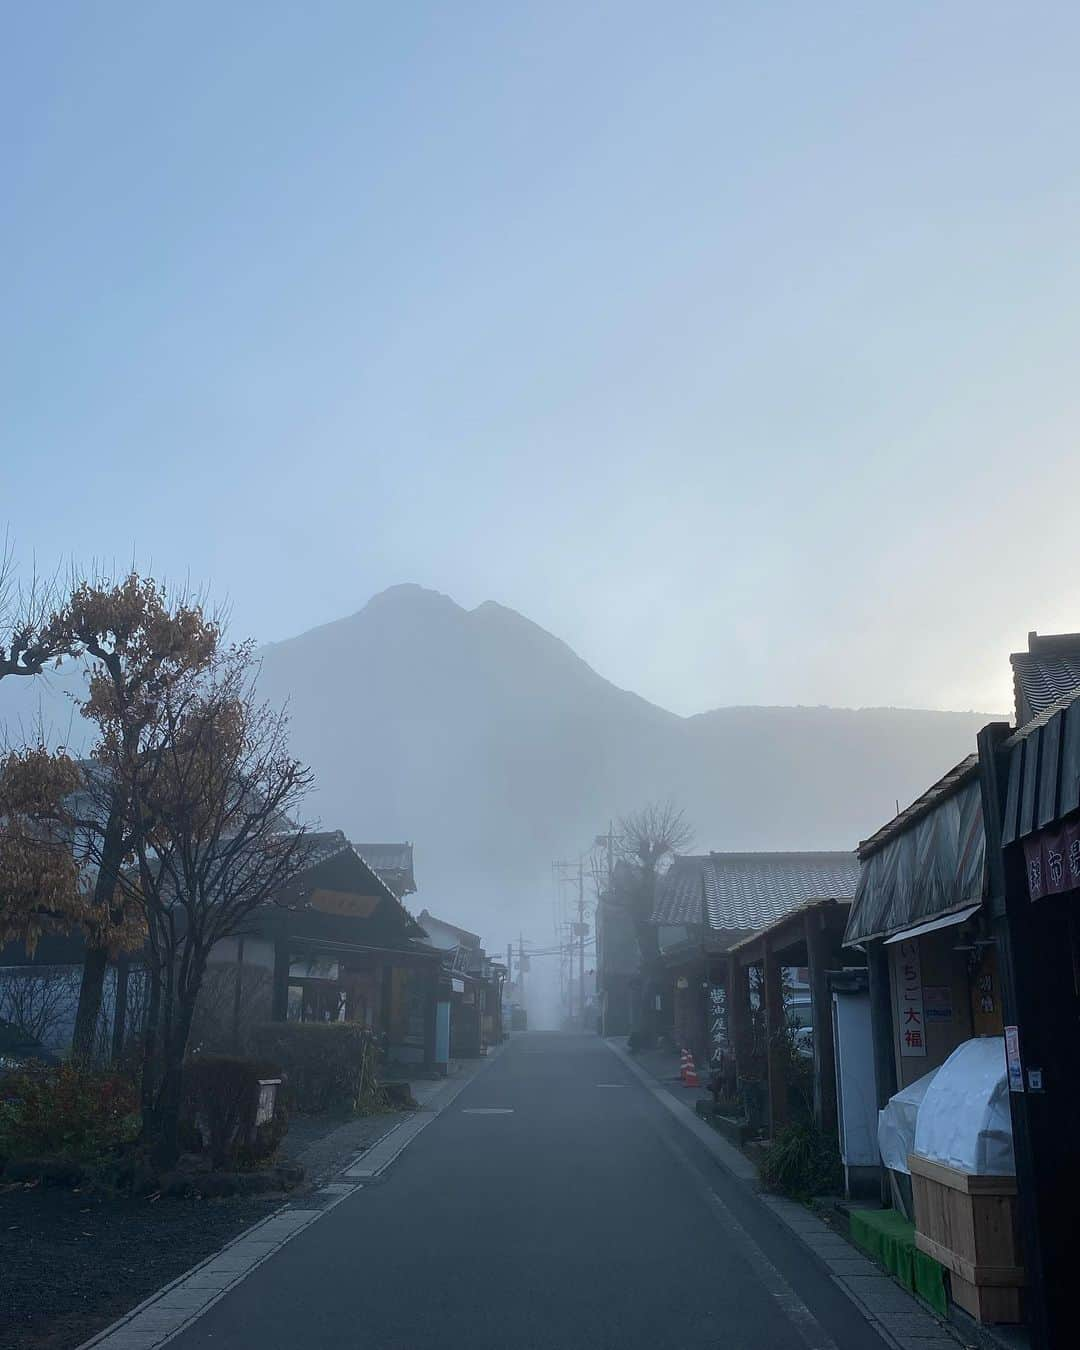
[487, 1110]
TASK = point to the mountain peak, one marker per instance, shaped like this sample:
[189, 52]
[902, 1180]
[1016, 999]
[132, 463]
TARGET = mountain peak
[411, 595]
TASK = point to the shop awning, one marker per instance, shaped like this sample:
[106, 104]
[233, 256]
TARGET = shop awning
[927, 863]
[944, 921]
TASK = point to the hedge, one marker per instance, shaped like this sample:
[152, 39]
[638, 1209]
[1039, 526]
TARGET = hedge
[327, 1065]
[221, 1099]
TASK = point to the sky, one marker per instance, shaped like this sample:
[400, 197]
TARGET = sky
[736, 345]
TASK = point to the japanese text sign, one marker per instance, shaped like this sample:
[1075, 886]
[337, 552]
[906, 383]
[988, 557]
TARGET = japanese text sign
[911, 1018]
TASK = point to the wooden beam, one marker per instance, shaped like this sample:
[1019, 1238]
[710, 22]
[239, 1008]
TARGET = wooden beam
[822, 950]
[774, 1024]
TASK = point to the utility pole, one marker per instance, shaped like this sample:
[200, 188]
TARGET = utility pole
[581, 934]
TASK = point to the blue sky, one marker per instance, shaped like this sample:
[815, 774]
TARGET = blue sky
[735, 344]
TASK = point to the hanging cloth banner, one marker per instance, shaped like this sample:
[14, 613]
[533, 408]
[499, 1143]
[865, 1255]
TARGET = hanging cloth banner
[1053, 861]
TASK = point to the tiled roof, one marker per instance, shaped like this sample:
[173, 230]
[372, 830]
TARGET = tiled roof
[1048, 671]
[393, 862]
[463, 936]
[748, 891]
[320, 846]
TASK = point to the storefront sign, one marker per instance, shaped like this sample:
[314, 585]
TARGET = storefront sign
[910, 1000]
[1012, 1059]
[718, 1022]
[1053, 861]
[937, 1003]
[344, 903]
[313, 968]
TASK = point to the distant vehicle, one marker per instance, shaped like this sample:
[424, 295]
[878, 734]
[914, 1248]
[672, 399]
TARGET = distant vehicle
[519, 1020]
[17, 1049]
[804, 1041]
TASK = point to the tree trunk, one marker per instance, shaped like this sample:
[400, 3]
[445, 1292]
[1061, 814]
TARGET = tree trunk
[150, 1052]
[96, 961]
[95, 964]
[120, 1002]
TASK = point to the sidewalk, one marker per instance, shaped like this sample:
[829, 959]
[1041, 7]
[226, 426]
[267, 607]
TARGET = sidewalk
[901, 1320]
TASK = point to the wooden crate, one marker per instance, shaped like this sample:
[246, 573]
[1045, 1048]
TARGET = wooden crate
[968, 1223]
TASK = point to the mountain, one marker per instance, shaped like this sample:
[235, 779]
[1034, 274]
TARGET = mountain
[493, 747]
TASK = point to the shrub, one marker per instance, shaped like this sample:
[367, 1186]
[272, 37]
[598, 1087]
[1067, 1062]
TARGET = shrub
[801, 1162]
[66, 1111]
[639, 1040]
[328, 1065]
[221, 1099]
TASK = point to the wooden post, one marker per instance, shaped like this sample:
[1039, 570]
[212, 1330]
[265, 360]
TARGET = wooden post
[280, 1009]
[1045, 1206]
[881, 1021]
[821, 950]
[238, 994]
[774, 1024]
[431, 1010]
[738, 1015]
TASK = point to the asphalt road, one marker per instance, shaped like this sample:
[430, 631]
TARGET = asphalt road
[582, 1216]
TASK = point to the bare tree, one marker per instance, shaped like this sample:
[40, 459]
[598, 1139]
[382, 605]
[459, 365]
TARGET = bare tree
[647, 839]
[653, 834]
[213, 790]
[26, 645]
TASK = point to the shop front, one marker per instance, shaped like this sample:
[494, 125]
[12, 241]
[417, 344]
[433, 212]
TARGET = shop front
[1031, 785]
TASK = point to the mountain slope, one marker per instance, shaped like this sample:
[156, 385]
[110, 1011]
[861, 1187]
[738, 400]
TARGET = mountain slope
[491, 745]
[495, 748]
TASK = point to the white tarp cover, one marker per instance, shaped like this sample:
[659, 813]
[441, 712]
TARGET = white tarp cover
[896, 1123]
[964, 1121]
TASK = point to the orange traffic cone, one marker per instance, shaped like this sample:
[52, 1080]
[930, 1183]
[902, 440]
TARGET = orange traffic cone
[686, 1065]
[690, 1077]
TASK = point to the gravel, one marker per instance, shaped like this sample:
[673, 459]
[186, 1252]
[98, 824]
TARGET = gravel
[72, 1262]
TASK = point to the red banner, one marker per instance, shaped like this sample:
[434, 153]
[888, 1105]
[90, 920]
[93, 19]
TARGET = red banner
[1053, 861]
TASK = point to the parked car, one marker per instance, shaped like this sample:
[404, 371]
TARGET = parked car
[18, 1049]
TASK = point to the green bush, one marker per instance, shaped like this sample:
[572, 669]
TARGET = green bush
[221, 1098]
[801, 1162]
[328, 1066]
[66, 1111]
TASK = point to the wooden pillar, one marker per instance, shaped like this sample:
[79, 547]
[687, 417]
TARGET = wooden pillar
[738, 1014]
[1044, 1199]
[822, 949]
[238, 995]
[280, 1006]
[431, 1010]
[386, 998]
[774, 1024]
[881, 1021]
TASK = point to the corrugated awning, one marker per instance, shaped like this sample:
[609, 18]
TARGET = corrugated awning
[945, 921]
[932, 868]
